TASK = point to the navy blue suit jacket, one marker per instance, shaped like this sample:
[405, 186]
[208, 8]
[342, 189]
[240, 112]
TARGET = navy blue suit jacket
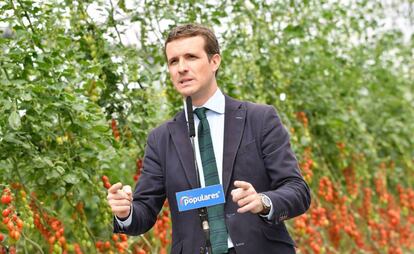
[256, 149]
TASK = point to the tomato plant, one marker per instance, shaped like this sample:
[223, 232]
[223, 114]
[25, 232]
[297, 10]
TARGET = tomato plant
[78, 98]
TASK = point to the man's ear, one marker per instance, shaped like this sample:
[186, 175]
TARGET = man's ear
[215, 60]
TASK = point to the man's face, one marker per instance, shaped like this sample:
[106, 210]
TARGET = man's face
[191, 72]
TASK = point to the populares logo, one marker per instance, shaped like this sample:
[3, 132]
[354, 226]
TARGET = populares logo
[185, 200]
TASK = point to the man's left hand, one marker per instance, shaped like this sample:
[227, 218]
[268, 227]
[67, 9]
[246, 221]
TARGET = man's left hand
[246, 198]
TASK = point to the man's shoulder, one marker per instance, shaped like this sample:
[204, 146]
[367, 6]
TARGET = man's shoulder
[163, 127]
[249, 105]
[258, 106]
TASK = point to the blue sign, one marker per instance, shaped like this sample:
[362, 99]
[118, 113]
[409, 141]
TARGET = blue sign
[200, 197]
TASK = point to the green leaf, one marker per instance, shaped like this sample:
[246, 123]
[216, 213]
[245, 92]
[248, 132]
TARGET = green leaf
[6, 104]
[121, 5]
[26, 97]
[60, 170]
[100, 128]
[52, 174]
[71, 178]
[14, 120]
[60, 191]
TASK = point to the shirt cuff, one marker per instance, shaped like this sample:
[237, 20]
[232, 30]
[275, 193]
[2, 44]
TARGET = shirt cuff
[125, 223]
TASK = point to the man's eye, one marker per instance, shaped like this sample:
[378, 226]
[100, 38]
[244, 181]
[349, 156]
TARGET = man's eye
[173, 62]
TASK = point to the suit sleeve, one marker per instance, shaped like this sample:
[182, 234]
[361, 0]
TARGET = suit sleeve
[149, 194]
[290, 195]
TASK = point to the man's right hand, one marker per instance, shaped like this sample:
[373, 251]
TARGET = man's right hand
[120, 199]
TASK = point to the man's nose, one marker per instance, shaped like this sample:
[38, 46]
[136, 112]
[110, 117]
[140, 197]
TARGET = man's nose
[182, 66]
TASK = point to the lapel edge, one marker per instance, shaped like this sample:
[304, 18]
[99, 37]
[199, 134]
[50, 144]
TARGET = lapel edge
[234, 123]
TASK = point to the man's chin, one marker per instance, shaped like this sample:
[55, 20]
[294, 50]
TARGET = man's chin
[186, 92]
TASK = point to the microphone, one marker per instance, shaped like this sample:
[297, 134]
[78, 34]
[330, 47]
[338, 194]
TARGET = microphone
[190, 116]
[202, 211]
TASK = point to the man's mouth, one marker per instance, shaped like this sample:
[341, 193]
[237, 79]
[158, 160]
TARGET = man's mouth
[184, 81]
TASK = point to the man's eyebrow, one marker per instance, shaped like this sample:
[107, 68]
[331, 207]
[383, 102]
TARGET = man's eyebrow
[172, 58]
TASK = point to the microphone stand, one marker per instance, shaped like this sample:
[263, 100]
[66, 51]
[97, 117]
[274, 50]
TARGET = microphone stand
[202, 212]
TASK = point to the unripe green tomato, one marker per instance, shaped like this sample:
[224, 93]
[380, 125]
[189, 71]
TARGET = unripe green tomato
[108, 221]
[30, 220]
[70, 247]
[57, 249]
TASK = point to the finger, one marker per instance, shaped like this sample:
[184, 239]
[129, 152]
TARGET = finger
[253, 207]
[120, 195]
[127, 189]
[246, 200]
[121, 209]
[238, 194]
[115, 187]
[122, 202]
[117, 196]
[242, 184]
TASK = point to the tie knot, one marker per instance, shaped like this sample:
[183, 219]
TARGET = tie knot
[200, 112]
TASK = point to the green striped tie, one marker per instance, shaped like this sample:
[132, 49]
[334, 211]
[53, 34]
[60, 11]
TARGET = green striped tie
[218, 230]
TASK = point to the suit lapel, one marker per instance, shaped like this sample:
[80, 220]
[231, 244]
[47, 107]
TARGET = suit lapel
[234, 122]
[179, 133]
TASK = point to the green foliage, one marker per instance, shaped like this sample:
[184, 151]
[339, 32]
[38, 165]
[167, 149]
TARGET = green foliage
[64, 76]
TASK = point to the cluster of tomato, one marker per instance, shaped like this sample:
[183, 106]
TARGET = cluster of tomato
[394, 229]
[301, 116]
[380, 182]
[326, 189]
[119, 241]
[351, 182]
[306, 165]
[51, 228]
[106, 182]
[372, 218]
[366, 209]
[406, 196]
[162, 228]
[11, 219]
[138, 169]
[335, 219]
[115, 130]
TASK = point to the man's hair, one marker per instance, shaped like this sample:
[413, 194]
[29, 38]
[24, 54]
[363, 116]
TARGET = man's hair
[211, 45]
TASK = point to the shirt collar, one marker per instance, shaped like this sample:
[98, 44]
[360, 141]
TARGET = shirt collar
[216, 102]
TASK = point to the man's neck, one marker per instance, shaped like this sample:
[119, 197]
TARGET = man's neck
[198, 102]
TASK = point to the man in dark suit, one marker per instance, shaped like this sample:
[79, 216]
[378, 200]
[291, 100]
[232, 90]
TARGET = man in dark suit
[251, 155]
